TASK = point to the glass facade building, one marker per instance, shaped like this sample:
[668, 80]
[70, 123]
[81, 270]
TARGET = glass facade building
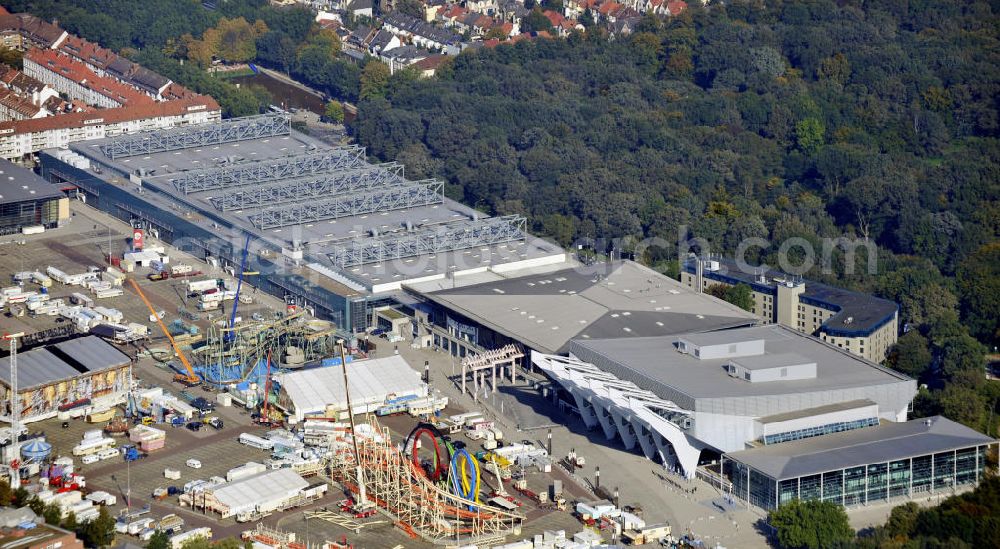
[900, 476]
[827, 429]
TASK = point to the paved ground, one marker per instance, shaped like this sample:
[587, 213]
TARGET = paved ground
[686, 505]
[85, 242]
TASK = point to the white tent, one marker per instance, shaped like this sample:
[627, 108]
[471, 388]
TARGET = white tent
[372, 382]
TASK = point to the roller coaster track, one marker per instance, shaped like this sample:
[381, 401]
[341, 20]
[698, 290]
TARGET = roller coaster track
[402, 490]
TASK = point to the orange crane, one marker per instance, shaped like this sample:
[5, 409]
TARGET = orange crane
[190, 379]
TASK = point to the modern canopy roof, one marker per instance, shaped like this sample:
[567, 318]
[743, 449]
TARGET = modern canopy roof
[886, 442]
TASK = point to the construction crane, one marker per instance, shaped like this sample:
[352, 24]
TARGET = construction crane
[230, 335]
[191, 379]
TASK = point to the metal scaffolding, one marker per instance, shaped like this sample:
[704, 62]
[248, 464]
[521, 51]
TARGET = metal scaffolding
[441, 238]
[345, 205]
[226, 131]
[282, 192]
[417, 505]
[236, 174]
[290, 341]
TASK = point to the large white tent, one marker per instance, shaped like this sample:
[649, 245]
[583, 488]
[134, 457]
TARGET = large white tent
[319, 391]
[263, 492]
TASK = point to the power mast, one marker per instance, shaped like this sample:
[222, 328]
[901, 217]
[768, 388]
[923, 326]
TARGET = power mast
[15, 414]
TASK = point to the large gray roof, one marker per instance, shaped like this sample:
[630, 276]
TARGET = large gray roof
[625, 300]
[62, 361]
[318, 236]
[656, 364]
[18, 184]
[887, 442]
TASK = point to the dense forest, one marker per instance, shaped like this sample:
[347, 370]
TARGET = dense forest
[876, 121]
[815, 119]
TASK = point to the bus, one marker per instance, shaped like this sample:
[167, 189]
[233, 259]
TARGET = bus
[255, 441]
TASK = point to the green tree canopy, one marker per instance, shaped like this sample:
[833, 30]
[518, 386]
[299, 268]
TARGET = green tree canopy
[811, 525]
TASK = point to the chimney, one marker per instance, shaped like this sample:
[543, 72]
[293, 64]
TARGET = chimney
[616, 498]
[549, 442]
[597, 478]
[427, 371]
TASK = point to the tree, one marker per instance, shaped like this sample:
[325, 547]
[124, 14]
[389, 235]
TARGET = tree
[6, 494]
[741, 296]
[962, 404]
[374, 79]
[52, 513]
[962, 353]
[911, 354]
[11, 57]
[160, 540]
[70, 523]
[809, 135]
[978, 280]
[236, 39]
[334, 112]
[36, 505]
[587, 19]
[413, 8]
[277, 49]
[99, 532]
[811, 524]
[535, 21]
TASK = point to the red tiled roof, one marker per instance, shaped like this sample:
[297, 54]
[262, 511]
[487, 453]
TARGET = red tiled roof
[431, 62]
[608, 7]
[507, 28]
[484, 22]
[454, 12]
[110, 116]
[27, 24]
[676, 7]
[554, 17]
[3, 11]
[17, 103]
[78, 72]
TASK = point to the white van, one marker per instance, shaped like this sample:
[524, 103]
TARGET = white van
[108, 453]
[90, 459]
[194, 464]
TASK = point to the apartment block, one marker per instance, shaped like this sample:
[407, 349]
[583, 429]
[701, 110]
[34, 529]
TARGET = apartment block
[859, 323]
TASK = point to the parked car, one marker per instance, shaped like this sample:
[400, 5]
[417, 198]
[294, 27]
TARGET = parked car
[194, 426]
[194, 464]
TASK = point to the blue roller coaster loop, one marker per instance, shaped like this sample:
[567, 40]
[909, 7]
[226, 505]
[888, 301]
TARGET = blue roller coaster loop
[461, 483]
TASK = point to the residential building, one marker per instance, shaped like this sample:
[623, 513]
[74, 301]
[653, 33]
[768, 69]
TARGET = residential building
[27, 200]
[422, 34]
[862, 324]
[78, 81]
[17, 107]
[109, 64]
[22, 31]
[27, 87]
[21, 138]
[889, 462]
[687, 399]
